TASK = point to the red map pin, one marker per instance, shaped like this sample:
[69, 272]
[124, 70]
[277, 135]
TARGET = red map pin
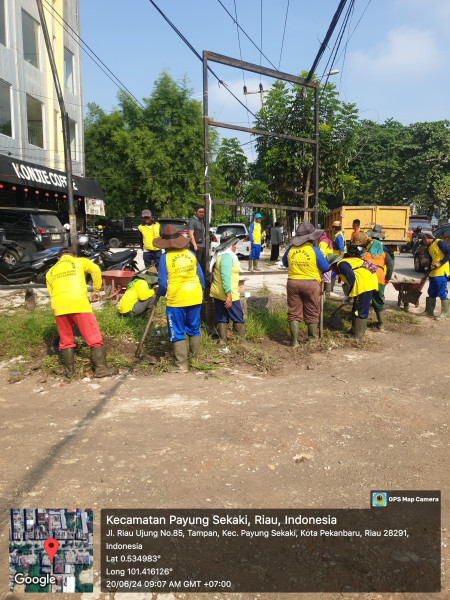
[51, 547]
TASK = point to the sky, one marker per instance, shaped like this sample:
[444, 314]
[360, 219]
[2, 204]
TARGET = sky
[393, 63]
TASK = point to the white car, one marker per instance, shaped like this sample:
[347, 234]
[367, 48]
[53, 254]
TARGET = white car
[243, 246]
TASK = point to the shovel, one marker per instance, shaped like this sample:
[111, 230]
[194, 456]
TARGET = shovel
[334, 321]
[147, 327]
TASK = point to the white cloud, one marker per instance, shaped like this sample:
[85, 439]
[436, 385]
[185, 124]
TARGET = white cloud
[406, 52]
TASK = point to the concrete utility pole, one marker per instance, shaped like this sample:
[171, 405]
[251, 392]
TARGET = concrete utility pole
[65, 124]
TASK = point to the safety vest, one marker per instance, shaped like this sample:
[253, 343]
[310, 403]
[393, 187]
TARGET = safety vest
[183, 284]
[380, 261]
[436, 256]
[365, 281]
[217, 290]
[302, 263]
[354, 233]
[256, 233]
[324, 248]
[149, 233]
[138, 290]
[66, 284]
[337, 251]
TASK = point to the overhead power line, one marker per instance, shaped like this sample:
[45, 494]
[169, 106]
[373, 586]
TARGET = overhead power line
[284, 32]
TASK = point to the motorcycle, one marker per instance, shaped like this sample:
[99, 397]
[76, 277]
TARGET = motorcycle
[100, 254]
[30, 268]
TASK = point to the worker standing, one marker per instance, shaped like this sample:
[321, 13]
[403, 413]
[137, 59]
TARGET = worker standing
[275, 241]
[224, 288]
[374, 252]
[305, 264]
[361, 282]
[180, 276]
[339, 246]
[149, 231]
[254, 233]
[440, 257]
[66, 284]
[326, 247]
[356, 229]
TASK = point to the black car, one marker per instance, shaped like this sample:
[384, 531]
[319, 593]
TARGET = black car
[124, 232]
[34, 229]
[422, 258]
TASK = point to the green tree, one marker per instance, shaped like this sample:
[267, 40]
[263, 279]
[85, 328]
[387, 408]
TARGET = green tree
[233, 165]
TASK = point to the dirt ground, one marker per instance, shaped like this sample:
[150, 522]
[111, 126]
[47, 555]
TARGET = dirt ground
[364, 418]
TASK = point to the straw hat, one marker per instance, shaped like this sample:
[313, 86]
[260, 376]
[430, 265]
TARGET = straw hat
[376, 233]
[171, 239]
[361, 239]
[306, 232]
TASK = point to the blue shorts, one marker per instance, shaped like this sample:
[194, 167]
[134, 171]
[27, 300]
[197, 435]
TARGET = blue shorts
[255, 252]
[225, 315]
[150, 256]
[437, 287]
[181, 320]
[361, 305]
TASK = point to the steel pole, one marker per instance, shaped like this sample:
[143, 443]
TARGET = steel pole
[65, 126]
[206, 163]
[316, 155]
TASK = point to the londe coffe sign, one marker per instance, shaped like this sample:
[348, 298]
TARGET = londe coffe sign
[32, 174]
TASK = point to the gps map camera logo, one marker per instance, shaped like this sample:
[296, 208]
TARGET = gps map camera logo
[379, 499]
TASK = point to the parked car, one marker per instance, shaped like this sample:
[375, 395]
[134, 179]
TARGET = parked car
[34, 229]
[243, 247]
[416, 221]
[124, 232]
[422, 258]
[181, 225]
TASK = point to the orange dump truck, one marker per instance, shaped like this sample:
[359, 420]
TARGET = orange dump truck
[393, 219]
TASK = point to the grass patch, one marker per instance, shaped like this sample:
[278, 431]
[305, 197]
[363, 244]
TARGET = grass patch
[260, 324]
[264, 291]
[401, 317]
[21, 333]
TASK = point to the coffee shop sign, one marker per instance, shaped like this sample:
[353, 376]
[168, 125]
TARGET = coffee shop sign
[42, 176]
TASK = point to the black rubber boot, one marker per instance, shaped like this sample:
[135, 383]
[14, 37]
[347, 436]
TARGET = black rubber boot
[293, 328]
[101, 369]
[429, 308]
[360, 329]
[222, 331]
[68, 356]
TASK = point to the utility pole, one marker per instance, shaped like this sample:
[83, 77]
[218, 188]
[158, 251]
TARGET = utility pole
[65, 124]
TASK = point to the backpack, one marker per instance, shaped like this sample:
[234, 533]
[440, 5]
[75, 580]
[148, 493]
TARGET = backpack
[369, 266]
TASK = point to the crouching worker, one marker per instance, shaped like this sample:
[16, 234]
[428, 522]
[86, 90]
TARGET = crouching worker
[66, 284]
[224, 288]
[180, 276]
[139, 296]
[362, 281]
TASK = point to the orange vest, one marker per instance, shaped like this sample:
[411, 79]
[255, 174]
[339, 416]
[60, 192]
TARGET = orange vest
[380, 261]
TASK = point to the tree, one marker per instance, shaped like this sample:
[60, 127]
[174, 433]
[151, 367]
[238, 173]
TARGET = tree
[233, 165]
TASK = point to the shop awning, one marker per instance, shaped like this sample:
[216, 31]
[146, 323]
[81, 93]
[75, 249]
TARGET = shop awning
[19, 172]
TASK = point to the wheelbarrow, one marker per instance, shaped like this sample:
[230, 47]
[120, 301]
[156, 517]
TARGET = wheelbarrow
[115, 283]
[409, 291]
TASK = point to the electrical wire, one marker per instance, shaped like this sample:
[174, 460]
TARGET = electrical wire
[284, 32]
[191, 47]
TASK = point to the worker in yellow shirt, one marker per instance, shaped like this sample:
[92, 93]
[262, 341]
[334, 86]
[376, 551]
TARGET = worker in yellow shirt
[149, 231]
[139, 295]
[66, 284]
[180, 277]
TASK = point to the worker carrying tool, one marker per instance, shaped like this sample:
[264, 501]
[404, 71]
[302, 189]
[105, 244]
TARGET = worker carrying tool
[66, 284]
[305, 263]
[139, 296]
[180, 276]
[374, 252]
[438, 274]
[362, 281]
[224, 288]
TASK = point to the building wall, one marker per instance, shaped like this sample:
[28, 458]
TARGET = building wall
[24, 78]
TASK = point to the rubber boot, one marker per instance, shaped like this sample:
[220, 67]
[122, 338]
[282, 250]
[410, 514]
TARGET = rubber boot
[101, 369]
[333, 283]
[360, 329]
[256, 265]
[250, 265]
[445, 306]
[180, 351]
[222, 331]
[429, 308]
[68, 356]
[380, 317]
[194, 345]
[293, 328]
[239, 330]
[327, 288]
[313, 331]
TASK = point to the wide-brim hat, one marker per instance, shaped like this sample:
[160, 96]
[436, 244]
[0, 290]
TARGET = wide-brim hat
[332, 259]
[361, 239]
[306, 232]
[376, 233]
[171, 238]
[150, 278]
[227, 240]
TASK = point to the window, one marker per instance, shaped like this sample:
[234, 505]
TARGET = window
[72, 139]
[56, 132]
[30, 34]
[68, 70]
[2, 23]
[34, 121]
[5, 108]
